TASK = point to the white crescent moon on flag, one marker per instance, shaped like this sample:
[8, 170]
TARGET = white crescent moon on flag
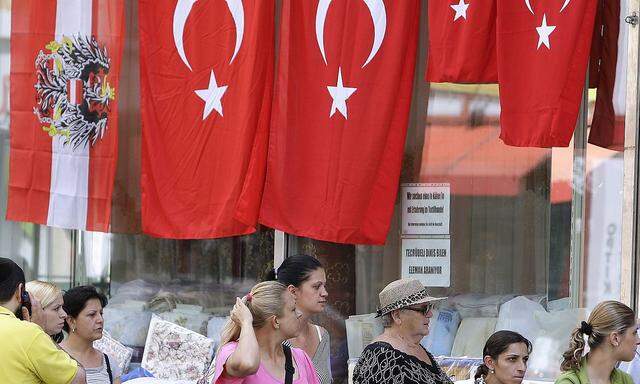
[183, 8]
[528, 3]
[321, 16]
[181, 13]
[378, 16]
[237, 11]
[566, 2]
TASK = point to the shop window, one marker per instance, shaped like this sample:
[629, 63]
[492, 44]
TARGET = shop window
[530, 231]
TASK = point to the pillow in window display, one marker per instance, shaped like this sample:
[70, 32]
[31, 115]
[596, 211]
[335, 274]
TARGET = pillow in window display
[195, 321]
[114, 348]
[552, 340]
[174, 352]
[472, 333]
[478, 304]
[127, 324]
[134, 290]
[517, 315]
[442, 332]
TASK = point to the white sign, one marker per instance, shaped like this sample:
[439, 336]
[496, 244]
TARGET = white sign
[604, 244]
[425, 209]
[428, 260]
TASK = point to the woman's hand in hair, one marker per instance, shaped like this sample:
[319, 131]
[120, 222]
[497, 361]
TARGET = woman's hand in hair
[37, 313]
[241, 314]
[245, 360]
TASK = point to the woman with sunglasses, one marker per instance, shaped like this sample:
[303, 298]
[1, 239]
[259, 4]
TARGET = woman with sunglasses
[396, 356]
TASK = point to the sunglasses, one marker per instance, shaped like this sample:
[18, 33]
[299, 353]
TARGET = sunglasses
[424, 310]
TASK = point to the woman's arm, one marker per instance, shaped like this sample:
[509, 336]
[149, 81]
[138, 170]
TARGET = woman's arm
[245, 360]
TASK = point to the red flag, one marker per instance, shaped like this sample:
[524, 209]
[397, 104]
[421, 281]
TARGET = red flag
[65, 63]
[543, 51]
[340, 115]
[462, 41]
[206, 74]
[607, 126]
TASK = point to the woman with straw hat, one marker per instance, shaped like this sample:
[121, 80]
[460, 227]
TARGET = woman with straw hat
[396, 356]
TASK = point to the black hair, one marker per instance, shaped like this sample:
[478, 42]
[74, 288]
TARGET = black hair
[295, 270]
[11, 275]
[75, 300]
[497, 344]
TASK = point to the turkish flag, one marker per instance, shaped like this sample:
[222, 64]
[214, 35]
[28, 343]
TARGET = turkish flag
[341, 107]
[607, 126]
[543, 51]
[65, 64]
[206, 85]
[462, 41]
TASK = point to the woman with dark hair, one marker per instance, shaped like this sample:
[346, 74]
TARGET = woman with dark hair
[305, 278]
[611, 333]
[505, 357]
[84, 325]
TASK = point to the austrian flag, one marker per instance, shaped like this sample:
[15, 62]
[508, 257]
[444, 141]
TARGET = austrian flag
[64, 76]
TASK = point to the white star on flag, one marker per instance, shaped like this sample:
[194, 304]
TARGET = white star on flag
[461, 10]
[340, 94]
[212, 96]
[544, 31]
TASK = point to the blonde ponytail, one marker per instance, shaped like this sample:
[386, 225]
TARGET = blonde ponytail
[267, 299]
[607, 317]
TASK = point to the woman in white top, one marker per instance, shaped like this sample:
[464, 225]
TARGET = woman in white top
[84, 325]
[306, 280]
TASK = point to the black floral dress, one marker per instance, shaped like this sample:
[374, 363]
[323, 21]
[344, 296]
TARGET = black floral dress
[380, 363]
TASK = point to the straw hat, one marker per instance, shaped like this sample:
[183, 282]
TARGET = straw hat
[403, 293]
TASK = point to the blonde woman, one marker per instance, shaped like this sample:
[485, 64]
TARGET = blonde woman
[611, 333]
[50, 297]
[251, 349]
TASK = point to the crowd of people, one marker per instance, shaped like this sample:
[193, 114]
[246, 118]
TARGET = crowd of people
[48, 336]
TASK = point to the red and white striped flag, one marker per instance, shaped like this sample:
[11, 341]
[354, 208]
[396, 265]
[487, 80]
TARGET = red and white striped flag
[65, 59]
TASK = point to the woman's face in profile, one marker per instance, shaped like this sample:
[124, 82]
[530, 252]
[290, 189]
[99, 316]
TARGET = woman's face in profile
[512, 364]
[54, 316]
[629, 343]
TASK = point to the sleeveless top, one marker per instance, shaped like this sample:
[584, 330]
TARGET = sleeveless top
[322, 358]
[98, 375]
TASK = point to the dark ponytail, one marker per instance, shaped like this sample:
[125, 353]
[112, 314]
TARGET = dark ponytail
[496, 345]
[295, 270]
[271, 275]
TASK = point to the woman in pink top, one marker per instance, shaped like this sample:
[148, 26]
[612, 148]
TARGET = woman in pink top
[251, 349]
